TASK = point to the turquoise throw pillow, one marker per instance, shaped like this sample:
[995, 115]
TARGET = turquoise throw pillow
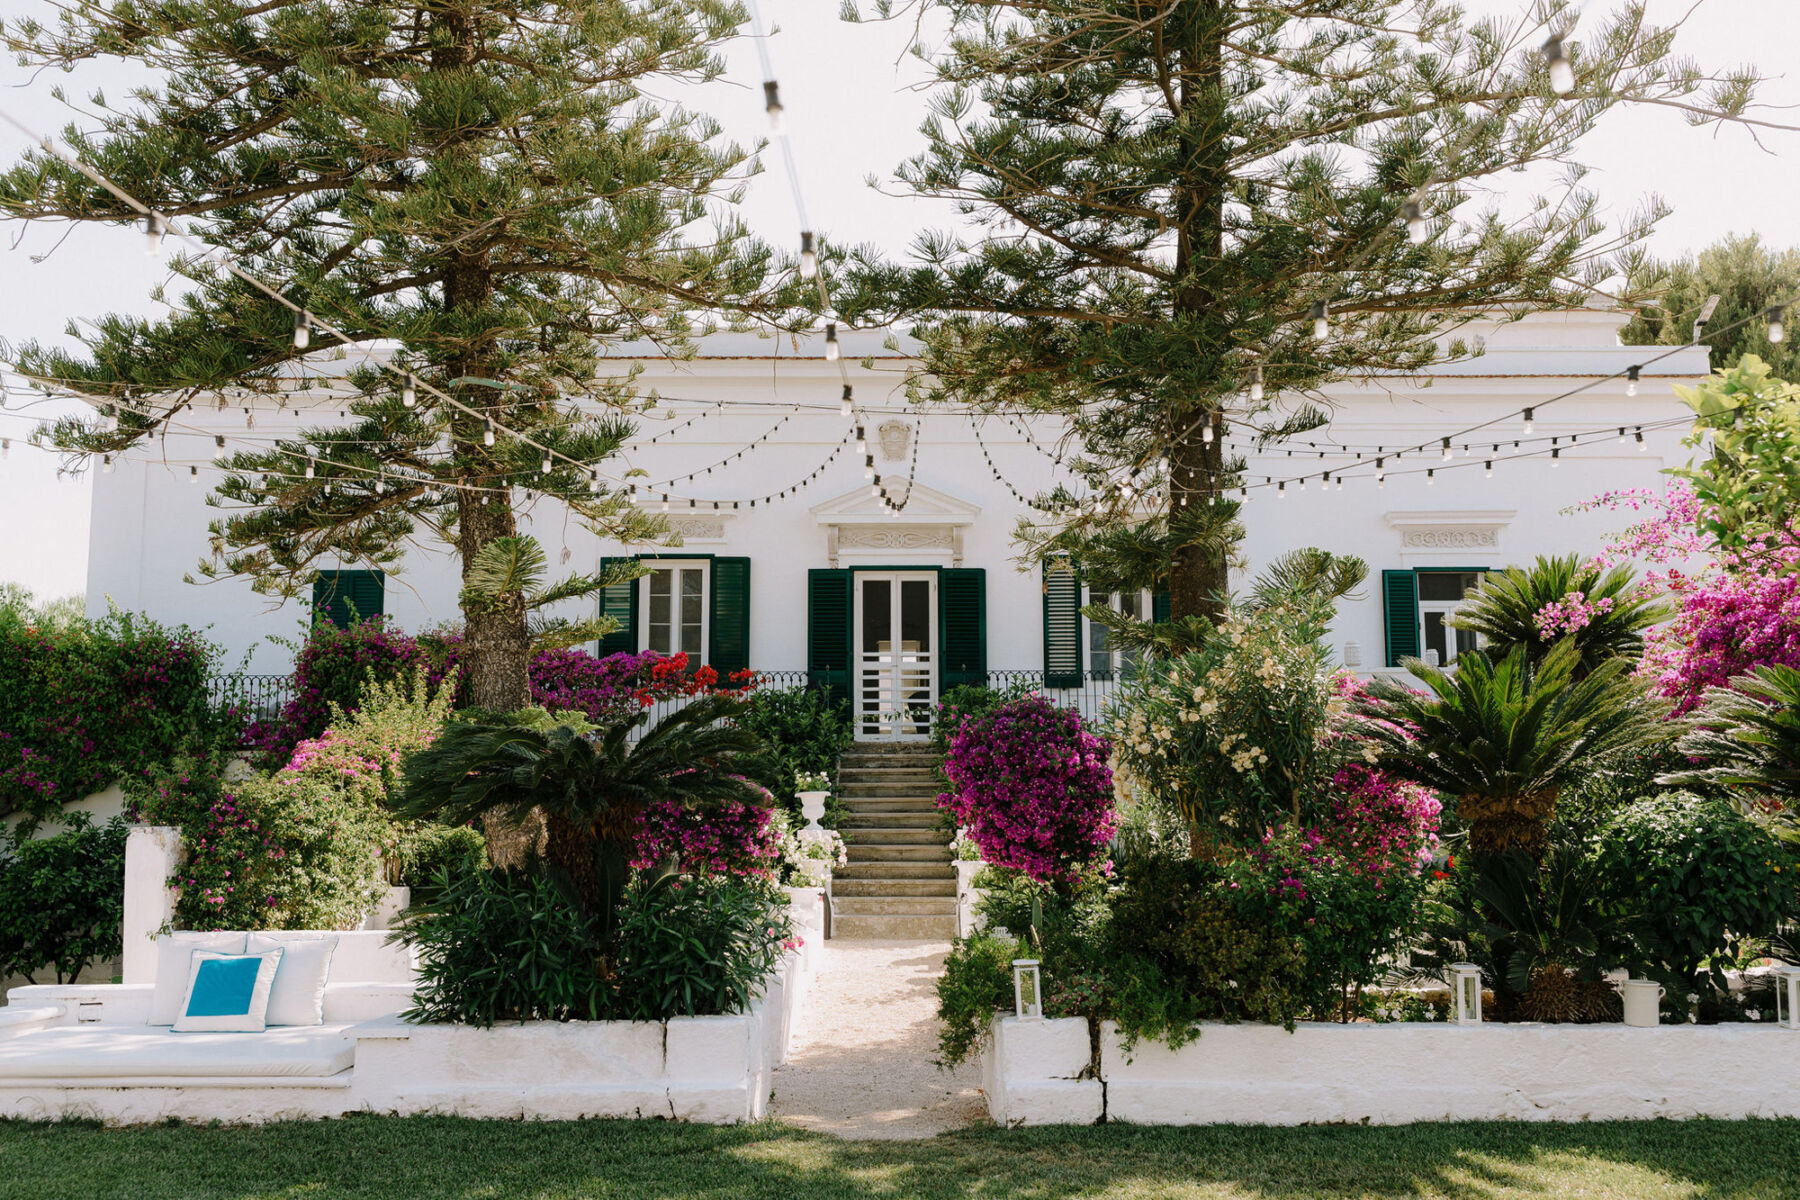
[223, 987]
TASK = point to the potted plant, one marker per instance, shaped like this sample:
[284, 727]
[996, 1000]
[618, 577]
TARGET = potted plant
[814, 789]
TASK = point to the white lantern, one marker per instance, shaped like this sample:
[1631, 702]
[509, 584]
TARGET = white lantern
[1465, 993]
[1028, 996]
[1787, 997]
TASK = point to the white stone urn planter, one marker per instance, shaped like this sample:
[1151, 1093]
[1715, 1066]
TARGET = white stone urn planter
[812, 807]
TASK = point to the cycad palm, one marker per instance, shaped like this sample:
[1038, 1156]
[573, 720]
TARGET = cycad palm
[1748, 736]
[1504, 610]
[589, 786]
[1504, 736]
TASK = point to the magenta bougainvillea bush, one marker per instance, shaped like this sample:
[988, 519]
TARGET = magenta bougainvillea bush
[738, 837]
[1033, 788]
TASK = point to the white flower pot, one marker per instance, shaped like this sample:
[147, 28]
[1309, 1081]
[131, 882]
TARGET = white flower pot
[812, 807]
[1643, 998]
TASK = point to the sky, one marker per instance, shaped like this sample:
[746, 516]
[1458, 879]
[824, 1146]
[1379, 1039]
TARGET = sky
[852, 111]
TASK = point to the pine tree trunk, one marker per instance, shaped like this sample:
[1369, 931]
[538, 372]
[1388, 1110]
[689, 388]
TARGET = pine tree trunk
[1199, 576]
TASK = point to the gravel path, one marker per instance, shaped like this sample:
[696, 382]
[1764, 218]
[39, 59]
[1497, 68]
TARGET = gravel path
[860, 1065]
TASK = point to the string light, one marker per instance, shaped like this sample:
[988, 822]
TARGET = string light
[544, 468]
[1528, 422]
[831, 341]
[487, 433]
[847, 407]
[1448, 455]
[302, 329]
[309, 468]
[106, 464]
[1417, 231]
[869, 467]
[1777, 330]
[1631, 380]
[1555, 457]
[1621, 435]
[1488, 464]
[1380, 470]
[1641, 444]
[1562, 72]
[154, 228]
[862, 441]
[809, 258]
[1206, 433]
[409, 395]
[1256, 384]
[1321, 319]
[193, 474]
[1281, 491]
[1430, 476]
[772, 103]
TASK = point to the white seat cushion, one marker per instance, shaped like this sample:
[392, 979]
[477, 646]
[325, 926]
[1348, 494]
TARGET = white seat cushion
[76, 1052]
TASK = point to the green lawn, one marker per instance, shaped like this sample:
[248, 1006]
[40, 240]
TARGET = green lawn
[449, 1159]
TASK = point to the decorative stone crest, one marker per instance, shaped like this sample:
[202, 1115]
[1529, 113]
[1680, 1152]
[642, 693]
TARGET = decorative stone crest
[698, 527]
[1451, 537]
[1430, 532]
[899, 537]
[894, 437]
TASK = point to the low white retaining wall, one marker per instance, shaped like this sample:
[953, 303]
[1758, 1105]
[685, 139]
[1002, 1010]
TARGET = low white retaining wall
[711, 1069]
[1394, 1074]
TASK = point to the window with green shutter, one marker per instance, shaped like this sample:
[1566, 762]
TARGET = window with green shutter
[730, 633]
[1416, 607]
[962, 625]
[828, 613]
[346, 597]
[1062, 626]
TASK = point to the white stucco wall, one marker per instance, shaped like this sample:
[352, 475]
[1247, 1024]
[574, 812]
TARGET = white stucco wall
[149, 522]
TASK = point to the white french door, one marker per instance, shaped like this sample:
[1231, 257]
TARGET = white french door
[896, 654]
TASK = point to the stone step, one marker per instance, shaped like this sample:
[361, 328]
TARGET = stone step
[914, 928]
[865, 819]
[891, 906]
[857, 774]
[892, 887]
[890, 836]
[890, 869]
[878, 791]
[939, 853]
[885, 803]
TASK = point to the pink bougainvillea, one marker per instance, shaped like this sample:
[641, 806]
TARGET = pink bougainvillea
[1033, 788]
[738, 837]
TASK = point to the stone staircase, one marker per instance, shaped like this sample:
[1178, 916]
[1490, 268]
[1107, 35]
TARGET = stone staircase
[898, 882]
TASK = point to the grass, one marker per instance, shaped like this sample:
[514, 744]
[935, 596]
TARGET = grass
[435, 1158]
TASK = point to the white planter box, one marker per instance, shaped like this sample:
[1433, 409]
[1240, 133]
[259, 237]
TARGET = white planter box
[1398, 1073]
[709, 1069]
[1030, 1070]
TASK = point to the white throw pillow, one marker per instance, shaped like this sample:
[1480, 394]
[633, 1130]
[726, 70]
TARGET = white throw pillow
[174, 961]
[227, 993]
[298, 997]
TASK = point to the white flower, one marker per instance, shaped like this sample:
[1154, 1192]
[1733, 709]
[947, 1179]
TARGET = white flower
[1753, 1014]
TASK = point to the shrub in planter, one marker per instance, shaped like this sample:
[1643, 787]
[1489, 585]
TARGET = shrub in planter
[805, 731]
[1032, 787]
[976, 983]
[733, 837]
[697, 945]
[1694, 880]
[62, 897]
[503, 946]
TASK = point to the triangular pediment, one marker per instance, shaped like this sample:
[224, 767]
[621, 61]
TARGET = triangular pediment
[924, 506]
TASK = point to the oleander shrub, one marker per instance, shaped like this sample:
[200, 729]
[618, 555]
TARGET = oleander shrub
[697, 945]
[1032, 787]
[87, 703]
[62, 897]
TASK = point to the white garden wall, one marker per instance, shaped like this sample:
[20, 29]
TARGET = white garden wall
[1396, 1073]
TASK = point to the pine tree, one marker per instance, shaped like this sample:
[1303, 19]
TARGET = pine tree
[1173, 195]
[489, 185]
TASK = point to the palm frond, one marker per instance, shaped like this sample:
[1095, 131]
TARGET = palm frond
[1748, 736]
[505, 566]
[1505, 609]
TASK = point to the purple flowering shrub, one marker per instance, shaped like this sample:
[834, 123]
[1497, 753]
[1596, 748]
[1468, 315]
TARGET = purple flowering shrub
[1033, 789]
[94, 702]
[738, 837]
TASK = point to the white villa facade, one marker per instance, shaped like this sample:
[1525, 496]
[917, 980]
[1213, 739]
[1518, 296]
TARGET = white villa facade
[816, 577]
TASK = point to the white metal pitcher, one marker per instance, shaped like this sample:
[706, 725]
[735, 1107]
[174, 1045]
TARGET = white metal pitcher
[1643, 1000]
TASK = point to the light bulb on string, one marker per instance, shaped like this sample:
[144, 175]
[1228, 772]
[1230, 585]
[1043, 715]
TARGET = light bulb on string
[869, 467]
[665, 502]
[847, 405]
[309, 469]
[409, 396]
[1206, 433]
[487, 433]
[809, 258]
[1777, 328]
[1417, 230]
[831, 341]
[1562, 72]
[594, 482]
[544, 467]
[1321, 319]
[1555, 458]
[862, 441]
[106, 464]
[193, 474]
[1488, 466]
[1380, 470]
[154, 228]
[1430, 476]
[1448, 455]
[1256, 384]
[1528, 421]
[1621, 435]
[249, 418]
[1631, 380]
[302, 329]
[1281, 490]
[772, 103]
[1340, 483]
[1641, 444]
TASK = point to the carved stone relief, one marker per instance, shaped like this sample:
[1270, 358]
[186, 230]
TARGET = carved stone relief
[698, 527]
[894, 438]
[1451, 537]
[905, 537]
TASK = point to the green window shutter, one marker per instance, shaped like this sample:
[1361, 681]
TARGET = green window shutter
[962, 626]
[344, 597]
[1159, 606]
[620, 602]
[828, 613]
[1400, 604]
[730, 637]
[1062, 627]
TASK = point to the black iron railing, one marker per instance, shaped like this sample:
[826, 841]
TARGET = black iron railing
[254, 697]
